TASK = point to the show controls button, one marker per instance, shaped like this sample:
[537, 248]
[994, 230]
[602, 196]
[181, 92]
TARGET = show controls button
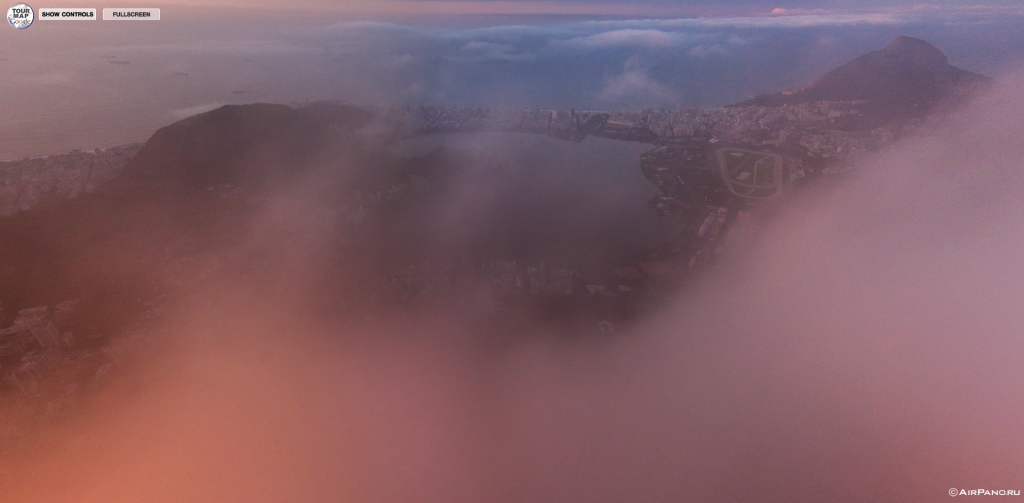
[67, 14]
[131, 14]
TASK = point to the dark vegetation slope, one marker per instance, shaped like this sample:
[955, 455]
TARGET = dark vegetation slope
[190, 190]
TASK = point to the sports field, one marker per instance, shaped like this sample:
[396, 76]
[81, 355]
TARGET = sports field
[750, 174]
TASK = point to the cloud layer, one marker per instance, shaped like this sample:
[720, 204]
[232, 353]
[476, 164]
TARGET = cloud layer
[863, 343]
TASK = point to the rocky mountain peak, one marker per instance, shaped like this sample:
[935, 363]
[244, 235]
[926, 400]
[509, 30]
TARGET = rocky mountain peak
[913, 51]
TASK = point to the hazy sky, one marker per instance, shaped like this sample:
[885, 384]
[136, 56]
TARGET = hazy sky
[61, 91]
[588, 7]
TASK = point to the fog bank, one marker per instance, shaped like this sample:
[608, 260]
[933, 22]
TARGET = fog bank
[863, 346]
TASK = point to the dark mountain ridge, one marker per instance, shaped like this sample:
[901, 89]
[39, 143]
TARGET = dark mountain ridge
[251, 146]
[185, 192]
[907, 79]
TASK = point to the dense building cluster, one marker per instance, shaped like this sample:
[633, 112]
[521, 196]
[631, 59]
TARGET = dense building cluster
[46, 370]
[819, 128]
[27, 182]
[738, 121]
[454, 119]
[35, 345]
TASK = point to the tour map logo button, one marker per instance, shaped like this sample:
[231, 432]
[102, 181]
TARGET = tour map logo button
[20, 15]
